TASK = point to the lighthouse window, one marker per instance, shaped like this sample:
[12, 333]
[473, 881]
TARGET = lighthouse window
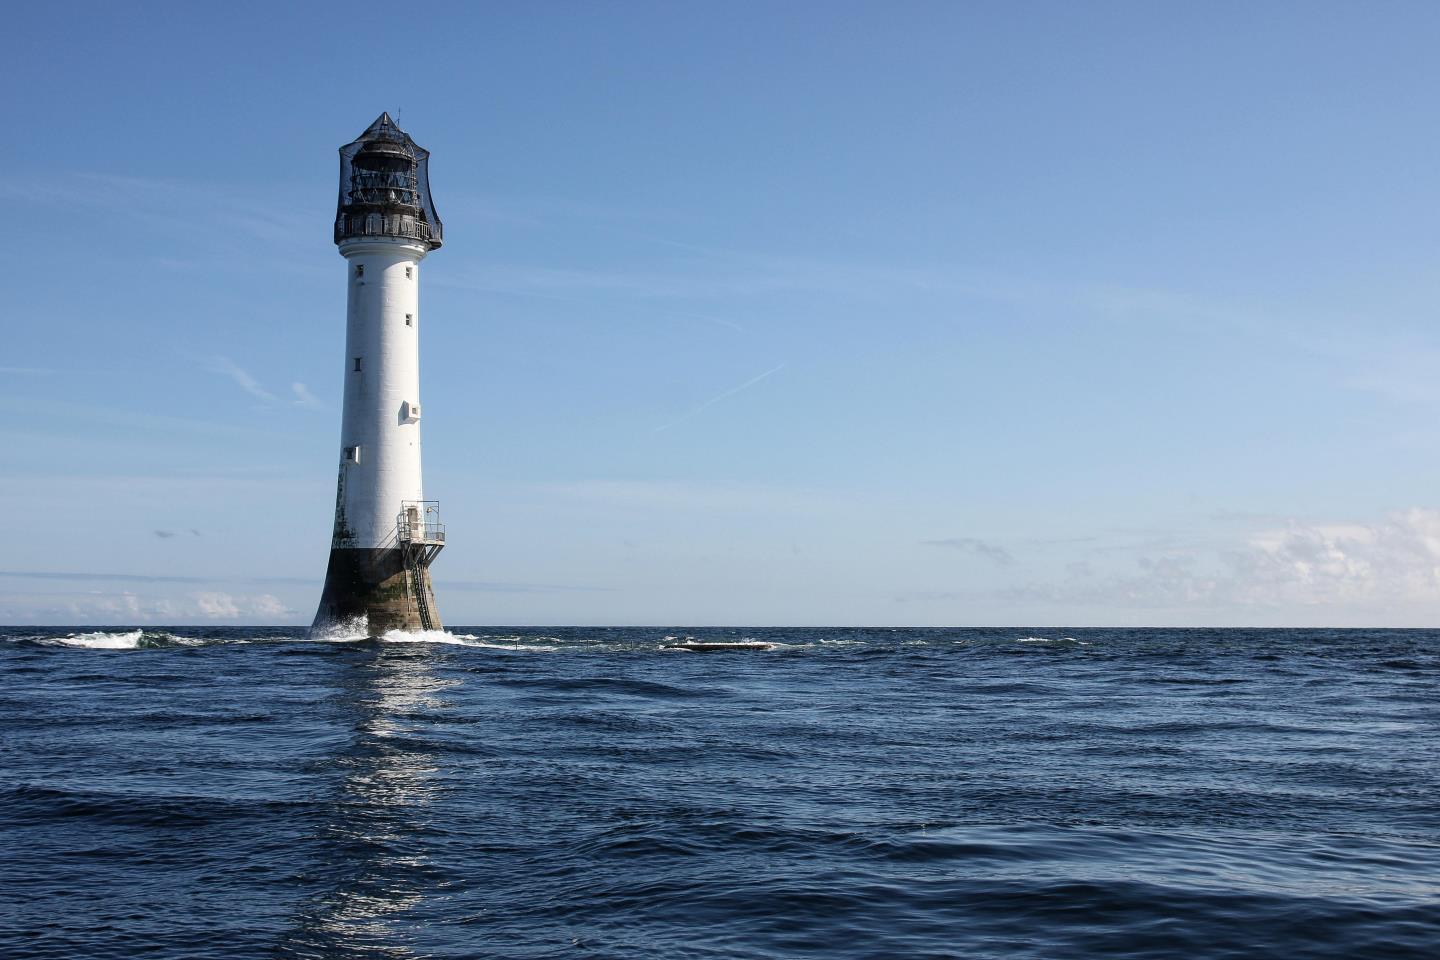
[357, 364]
[409, 272]
[352, 454]
[359, 269]
[409, 319]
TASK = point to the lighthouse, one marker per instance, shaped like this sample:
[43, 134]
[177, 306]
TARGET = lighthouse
[386, 533]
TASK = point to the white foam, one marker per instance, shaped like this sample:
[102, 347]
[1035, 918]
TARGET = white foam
[214, 641]
[522, 647]
[425, 636]
[102, 641]
[356, 628]
[460, 640]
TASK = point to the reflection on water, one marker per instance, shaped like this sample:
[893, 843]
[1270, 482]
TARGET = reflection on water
[374, 870]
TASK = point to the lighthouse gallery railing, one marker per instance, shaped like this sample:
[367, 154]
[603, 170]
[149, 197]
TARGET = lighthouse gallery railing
[380, 226]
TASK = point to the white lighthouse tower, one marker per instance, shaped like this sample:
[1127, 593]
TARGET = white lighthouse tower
[386, 532]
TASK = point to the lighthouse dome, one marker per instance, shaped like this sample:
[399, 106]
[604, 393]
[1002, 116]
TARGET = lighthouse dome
[385, 187]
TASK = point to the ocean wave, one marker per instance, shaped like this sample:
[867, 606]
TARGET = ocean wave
[358, 628]
[979, 797]
[340, 631]
[463, 640]
[99, 640]
[138, 639]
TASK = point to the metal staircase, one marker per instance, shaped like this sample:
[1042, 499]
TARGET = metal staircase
[417, 588]
[420, 536]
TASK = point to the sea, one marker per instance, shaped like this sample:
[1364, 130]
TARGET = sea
[498, 792]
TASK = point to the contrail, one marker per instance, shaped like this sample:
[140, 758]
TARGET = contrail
[721, 396]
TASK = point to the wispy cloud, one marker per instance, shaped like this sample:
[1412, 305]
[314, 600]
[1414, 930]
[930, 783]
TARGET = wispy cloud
[171, 534]
[648, 496]
[1399, 371]
[242, 379]
[116, 577]
[702, 407]
[303, 396]
[496, 586]
[977, 547]
[182, 206]
[94, 577]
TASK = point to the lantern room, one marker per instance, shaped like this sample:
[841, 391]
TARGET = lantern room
[385, 188]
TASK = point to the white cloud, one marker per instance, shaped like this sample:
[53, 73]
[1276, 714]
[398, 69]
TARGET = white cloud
[220, 606]
[303, 396]
[1397, 559]
[267, 604]
[125, 607]
[242, 379]
[1299, 566]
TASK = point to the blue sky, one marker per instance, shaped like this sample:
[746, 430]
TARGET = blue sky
[810, 313]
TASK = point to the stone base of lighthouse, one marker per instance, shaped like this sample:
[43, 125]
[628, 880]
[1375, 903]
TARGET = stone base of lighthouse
[388, 586]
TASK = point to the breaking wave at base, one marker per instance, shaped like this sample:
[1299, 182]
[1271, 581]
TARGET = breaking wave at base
[425, 636]
[356, 628]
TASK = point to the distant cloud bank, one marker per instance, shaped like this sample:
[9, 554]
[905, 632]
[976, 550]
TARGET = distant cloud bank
[1297, 565]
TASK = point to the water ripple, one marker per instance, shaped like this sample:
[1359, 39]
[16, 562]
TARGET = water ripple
[495, 792]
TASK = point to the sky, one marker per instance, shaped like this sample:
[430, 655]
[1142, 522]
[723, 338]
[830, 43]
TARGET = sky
[816, 313]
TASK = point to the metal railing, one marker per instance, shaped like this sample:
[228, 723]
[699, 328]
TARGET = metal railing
[425, 531]
[419, 522]
[420, 532]
[373, 225]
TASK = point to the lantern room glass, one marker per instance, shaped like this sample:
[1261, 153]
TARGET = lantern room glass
[385, 188]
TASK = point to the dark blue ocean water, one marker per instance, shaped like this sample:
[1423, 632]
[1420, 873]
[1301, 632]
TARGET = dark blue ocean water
[243, 793]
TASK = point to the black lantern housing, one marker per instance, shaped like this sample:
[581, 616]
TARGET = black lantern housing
[385, 188]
